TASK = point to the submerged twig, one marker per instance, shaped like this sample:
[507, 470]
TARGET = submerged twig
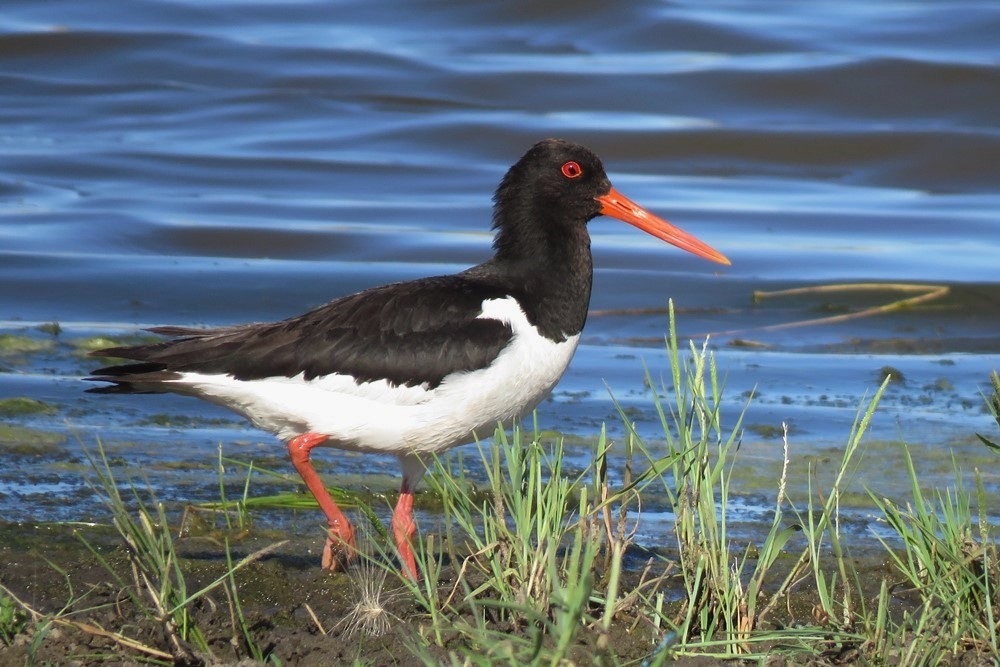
[927, 293]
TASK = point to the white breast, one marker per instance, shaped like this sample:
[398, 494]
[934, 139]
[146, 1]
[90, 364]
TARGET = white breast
[376, 416]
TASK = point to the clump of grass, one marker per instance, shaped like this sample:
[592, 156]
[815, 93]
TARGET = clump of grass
[522, 527]
[950, 558]
[951, 561]
[725, 586]
[839, 592]
[697, 488]
[993, 406]
[13, 619]
[537, 562]
[159, 585]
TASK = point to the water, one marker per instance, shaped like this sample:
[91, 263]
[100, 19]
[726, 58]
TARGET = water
[191, 163]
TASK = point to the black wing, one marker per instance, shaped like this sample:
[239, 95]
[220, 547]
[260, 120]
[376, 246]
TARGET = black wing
[407, 333]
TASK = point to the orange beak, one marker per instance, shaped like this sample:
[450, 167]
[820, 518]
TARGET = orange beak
[619, 206]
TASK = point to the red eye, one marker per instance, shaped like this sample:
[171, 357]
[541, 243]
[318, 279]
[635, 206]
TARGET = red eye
[572, 170]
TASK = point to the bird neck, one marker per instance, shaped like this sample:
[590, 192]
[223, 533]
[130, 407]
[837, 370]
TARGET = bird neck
[550, 271]
[526, 232]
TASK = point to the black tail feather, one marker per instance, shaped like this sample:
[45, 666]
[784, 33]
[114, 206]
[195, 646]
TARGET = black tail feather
[128, 369]
[183, 332]
[119, 387]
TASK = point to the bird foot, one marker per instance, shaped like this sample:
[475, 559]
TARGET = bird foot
[340, 548]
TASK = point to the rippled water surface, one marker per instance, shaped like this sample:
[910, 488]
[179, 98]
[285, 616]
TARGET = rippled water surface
[201, 163]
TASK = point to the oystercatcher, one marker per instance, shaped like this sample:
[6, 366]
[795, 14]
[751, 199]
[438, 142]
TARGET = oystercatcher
[417, 367]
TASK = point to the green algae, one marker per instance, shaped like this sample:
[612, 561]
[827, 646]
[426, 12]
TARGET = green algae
[23, 441]
[941, 384]
[760, 463]
[894, 374]
[568, 439]
[17, 344]
[766, 431]
[184, 421]
[20, 406]
[178, 465]
[67, 467]
[90, 344]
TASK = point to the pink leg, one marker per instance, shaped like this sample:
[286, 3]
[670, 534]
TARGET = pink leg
[403, 528]
[340, 538]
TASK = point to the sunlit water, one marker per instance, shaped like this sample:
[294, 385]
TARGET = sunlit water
[206, 164]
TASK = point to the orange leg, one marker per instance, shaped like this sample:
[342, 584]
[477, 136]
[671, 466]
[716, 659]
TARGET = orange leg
[340, 538]
[403, 528]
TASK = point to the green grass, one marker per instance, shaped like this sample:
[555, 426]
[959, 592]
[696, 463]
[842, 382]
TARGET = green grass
[535, 562]
[529, 568]
[951, 561]
[159, 584]
[13, 619]
[993, 405]
[539, 562]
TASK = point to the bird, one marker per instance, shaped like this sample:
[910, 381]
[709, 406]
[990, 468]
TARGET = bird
[414, 368]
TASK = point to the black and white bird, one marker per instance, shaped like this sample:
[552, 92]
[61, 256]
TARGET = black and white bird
[414, 368]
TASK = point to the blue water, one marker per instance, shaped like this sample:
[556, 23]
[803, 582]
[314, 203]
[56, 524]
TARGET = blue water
[211, 163]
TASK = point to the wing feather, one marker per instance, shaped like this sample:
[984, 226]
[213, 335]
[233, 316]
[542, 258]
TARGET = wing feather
[410, 334]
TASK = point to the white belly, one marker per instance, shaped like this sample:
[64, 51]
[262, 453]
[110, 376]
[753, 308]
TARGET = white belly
[375, 416]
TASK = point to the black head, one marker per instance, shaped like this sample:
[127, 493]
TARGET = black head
[545, 200]
[556, 179]
[550, 191]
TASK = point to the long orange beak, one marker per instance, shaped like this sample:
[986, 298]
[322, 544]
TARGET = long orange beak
[619, 206]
